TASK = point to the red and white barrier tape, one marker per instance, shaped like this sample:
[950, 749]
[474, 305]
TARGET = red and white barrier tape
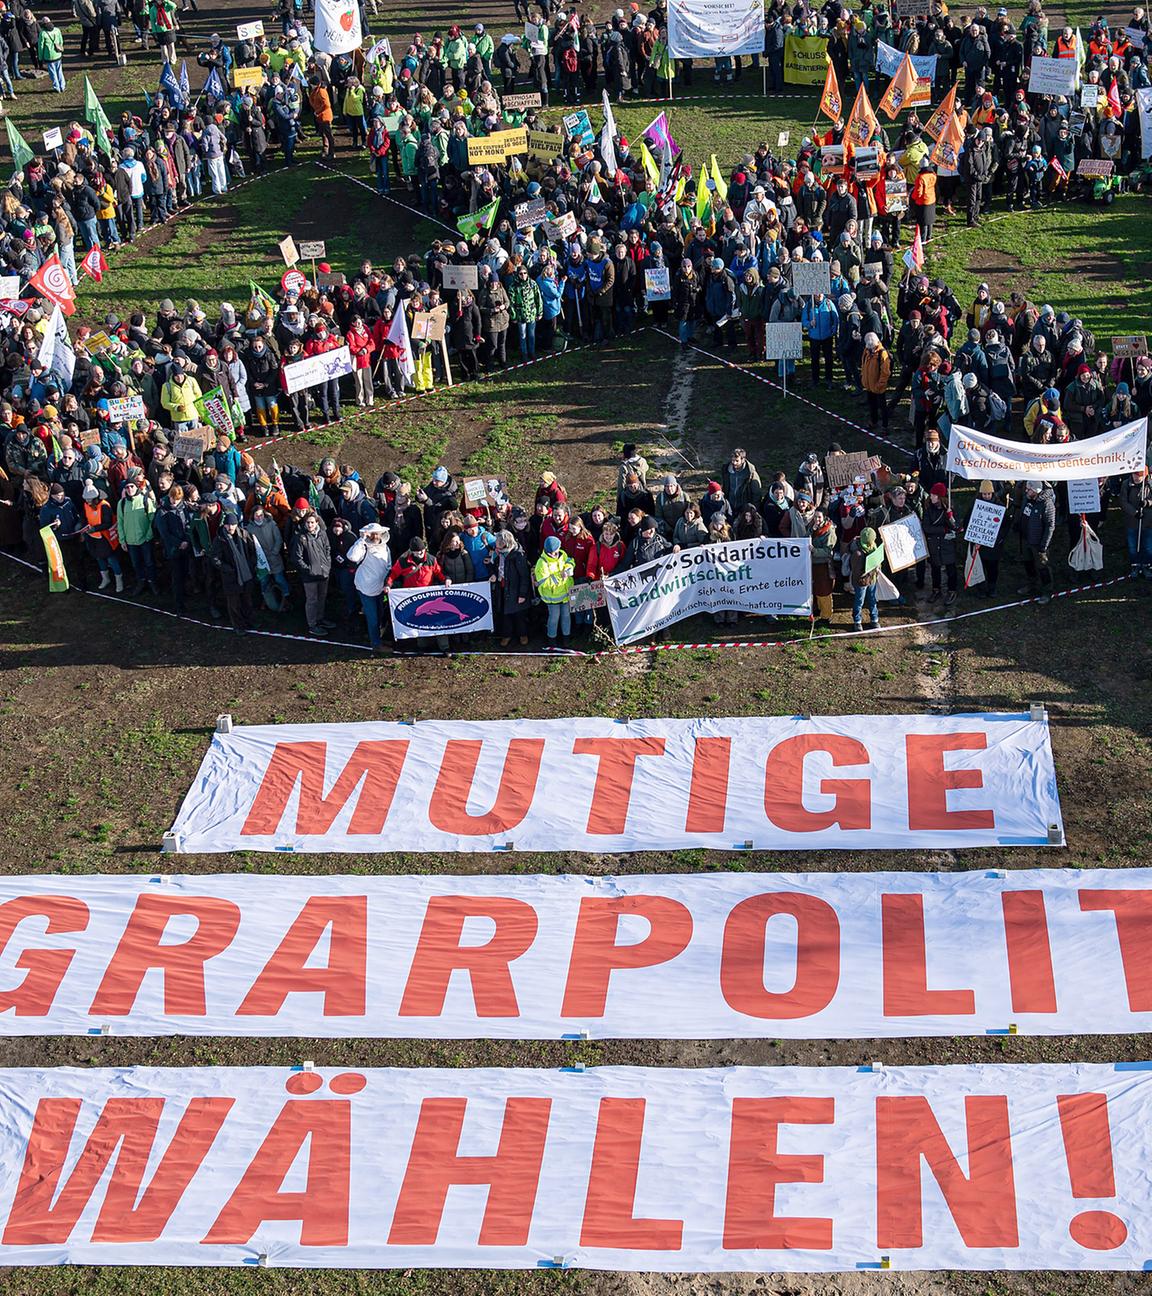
[412, 211]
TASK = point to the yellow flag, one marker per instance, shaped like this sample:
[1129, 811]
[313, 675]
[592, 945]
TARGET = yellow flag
[721, 183]
[651, 170]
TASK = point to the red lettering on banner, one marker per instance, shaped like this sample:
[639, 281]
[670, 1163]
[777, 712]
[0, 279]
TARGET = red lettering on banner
[46, 968]
[609, 1209]
[982, 1202]
[817, 957]
[322, 1206]
[756, 1168]
[614, 775]
[341, 980]
[905, 962]
[929, 783]
[439, 954]
[435, 1165]
[784, 785]
[1088, 1149]
[1029, 952]
[44, 1213]
[708, 795]
[377, 764]
[596, 954]
[1133, 914]
[448, 809]
[140, 951]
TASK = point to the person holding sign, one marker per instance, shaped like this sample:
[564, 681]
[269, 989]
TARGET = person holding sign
[864, 558]
[987, 499]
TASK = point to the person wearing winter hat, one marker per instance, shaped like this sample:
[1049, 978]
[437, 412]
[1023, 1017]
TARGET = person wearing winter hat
[100, 537]
[864, 580]
[940, 533]
[989, 554]
[233, 557]
[555, 576]
[1036, 524]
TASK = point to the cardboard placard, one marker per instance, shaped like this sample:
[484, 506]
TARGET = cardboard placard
[1095, 168]
[250, 30]
[831, 159]
[485, 148]
[545, 144]
[312, 251]
[190, 445]
[54, 138]
[985, 522]
[475, 490]
[1084, 495]
[88, 437]
[896, 196]
[783, 341]
[904, 543]
[1052, 76]
[657, 284]
[810, 277]
[248, 78]
[1089, 96]
[491, 491]
[1128, 348]
[99, 341]
[577, 126]
[563, 227]
[9, 287]
[123, 408]
[842, 469]
[585, 598]
[331, 279]
[461, 276]
[867, 162]
[287, 246]
[782, 139]
[911, 8]
[518, 102]
[530, 214]
[430, 326]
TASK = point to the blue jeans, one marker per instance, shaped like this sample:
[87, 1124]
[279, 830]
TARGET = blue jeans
[527, 332]
[67, 254]
[865, 595]
[143, 563]
[194, 179]
[6, 81]
[56, 72]
[371, 605]
[90, 233]
[429, 196]
[1140, 547]
[382, 183]
[111, 232]
[687, 330]
[559, 617]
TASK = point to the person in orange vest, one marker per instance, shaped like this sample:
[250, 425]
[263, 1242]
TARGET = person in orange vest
[101, 537]
[1066, 44]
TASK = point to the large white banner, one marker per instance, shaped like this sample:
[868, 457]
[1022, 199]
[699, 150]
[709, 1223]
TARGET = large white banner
[976, 455]
[889, 58]
[719, 956]
[1144, 106]
[337, 27]
[318, 368]
[822, 1169]
[1053, 76]
[706, 28]
[763, 576]
[434, 610]
[593, 784]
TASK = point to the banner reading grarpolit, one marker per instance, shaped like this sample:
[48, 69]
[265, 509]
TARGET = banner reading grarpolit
[720, 956]
[763, 576]
[593, 784]
[816, 1169]
[976, 455]
[705, 28]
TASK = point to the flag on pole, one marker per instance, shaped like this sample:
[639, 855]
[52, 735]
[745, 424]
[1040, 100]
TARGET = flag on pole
[214, 87]
[185, 88]
[262, 299]
[703, 196]
[914, 257]
[862, 123]
[94, 265]
[52, 281]
[944, 110]
[900, 89]
[18, 146]
[1079, 61]
[946, 153]
[831, 105]
[398, 336]
[658, 135]
[594, 194]
[608, 151]
[1115, 107]
[170, 86]
[719, 181]
[97, 119]
[651, 170]
[478, 221]
[57, 572]
[56, 353]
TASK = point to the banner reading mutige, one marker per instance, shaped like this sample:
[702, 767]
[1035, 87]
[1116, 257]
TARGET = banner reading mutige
[591, 784]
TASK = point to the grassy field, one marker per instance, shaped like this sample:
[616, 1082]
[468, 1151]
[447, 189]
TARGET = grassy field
[109, 707]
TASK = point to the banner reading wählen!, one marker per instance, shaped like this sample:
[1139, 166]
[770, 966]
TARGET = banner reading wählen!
[706, 28]
[764, 576]
[977, 455]
[593, 784]
[724, 956]
[822, 1169]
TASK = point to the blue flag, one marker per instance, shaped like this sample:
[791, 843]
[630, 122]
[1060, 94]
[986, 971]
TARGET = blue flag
[214, 86]
[185, 89]
[170, 87]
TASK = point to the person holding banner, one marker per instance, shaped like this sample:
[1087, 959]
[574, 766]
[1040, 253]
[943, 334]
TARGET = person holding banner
[864, 570]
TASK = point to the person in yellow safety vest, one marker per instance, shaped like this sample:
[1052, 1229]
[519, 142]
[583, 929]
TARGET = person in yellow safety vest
[554, 573]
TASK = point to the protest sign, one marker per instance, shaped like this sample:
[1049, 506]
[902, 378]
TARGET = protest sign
[545, 144]
[889, 58]
[873, 559]
[287, 246]
[1137, 36]
[1089, 96]
[475, 490]
[1095, 168]
[904, 542]
[313, 251]
[250, 30]
[866, 162]
[216, 410]
[578, 127]
[1130, 346]
[536, 34]
[896, 196]
[460, 276]
[843, 469]
[190, 445]
[809, 277]
[514, 141]
[831, 159]
[783, 341]
[485, 148]
[317, 369]
[98, 341]
[89, 436]
[525, 785]
[435, 610]
[1052, 76]
[530, 214]
[1144, 110]
[715, 28]
[331, 279]
[782, 139]
[336, 27]
[975, 455]
[911, 8]
[248, 78]
[563, 227]
[657, 286]
[763, 576]
[10, 288]
[1084, 495]
[586, 598]
[518, 102]
[53, 139]
[805, 60]
[985, 522]
[430, 326]
[123, 408]
[294, 281]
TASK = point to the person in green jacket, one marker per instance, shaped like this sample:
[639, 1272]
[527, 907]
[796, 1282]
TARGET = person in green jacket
[485, 48]
[554, 573]
[353, 110]
[456, 54]
[179, 396]
[527, 306]
[134, 526]
[50, 51]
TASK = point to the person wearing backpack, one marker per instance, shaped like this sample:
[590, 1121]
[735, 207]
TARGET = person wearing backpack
[569, 61]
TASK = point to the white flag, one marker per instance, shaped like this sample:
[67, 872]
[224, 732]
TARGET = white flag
[337, 29]
[56, 353]
[398, 334]
[607, 134]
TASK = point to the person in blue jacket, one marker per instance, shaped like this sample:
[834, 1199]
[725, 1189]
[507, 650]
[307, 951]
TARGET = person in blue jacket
[821, 322]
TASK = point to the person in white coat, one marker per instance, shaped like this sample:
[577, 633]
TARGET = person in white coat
[373, 563]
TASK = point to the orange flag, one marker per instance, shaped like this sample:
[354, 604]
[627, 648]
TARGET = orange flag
[939, 119]
[831, 105]
[946, 154]
[900, 89]
[862, 123]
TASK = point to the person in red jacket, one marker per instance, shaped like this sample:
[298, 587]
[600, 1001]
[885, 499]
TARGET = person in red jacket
[550, 490]
[390, 353]
[556, 523]
[608, 553]
[362, 348]
[327, 392]
[415, 570]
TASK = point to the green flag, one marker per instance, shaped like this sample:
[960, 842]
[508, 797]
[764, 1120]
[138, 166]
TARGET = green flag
[266, 304]
[214, 409]
[95, 116]
[474, 222]
[21, 151]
